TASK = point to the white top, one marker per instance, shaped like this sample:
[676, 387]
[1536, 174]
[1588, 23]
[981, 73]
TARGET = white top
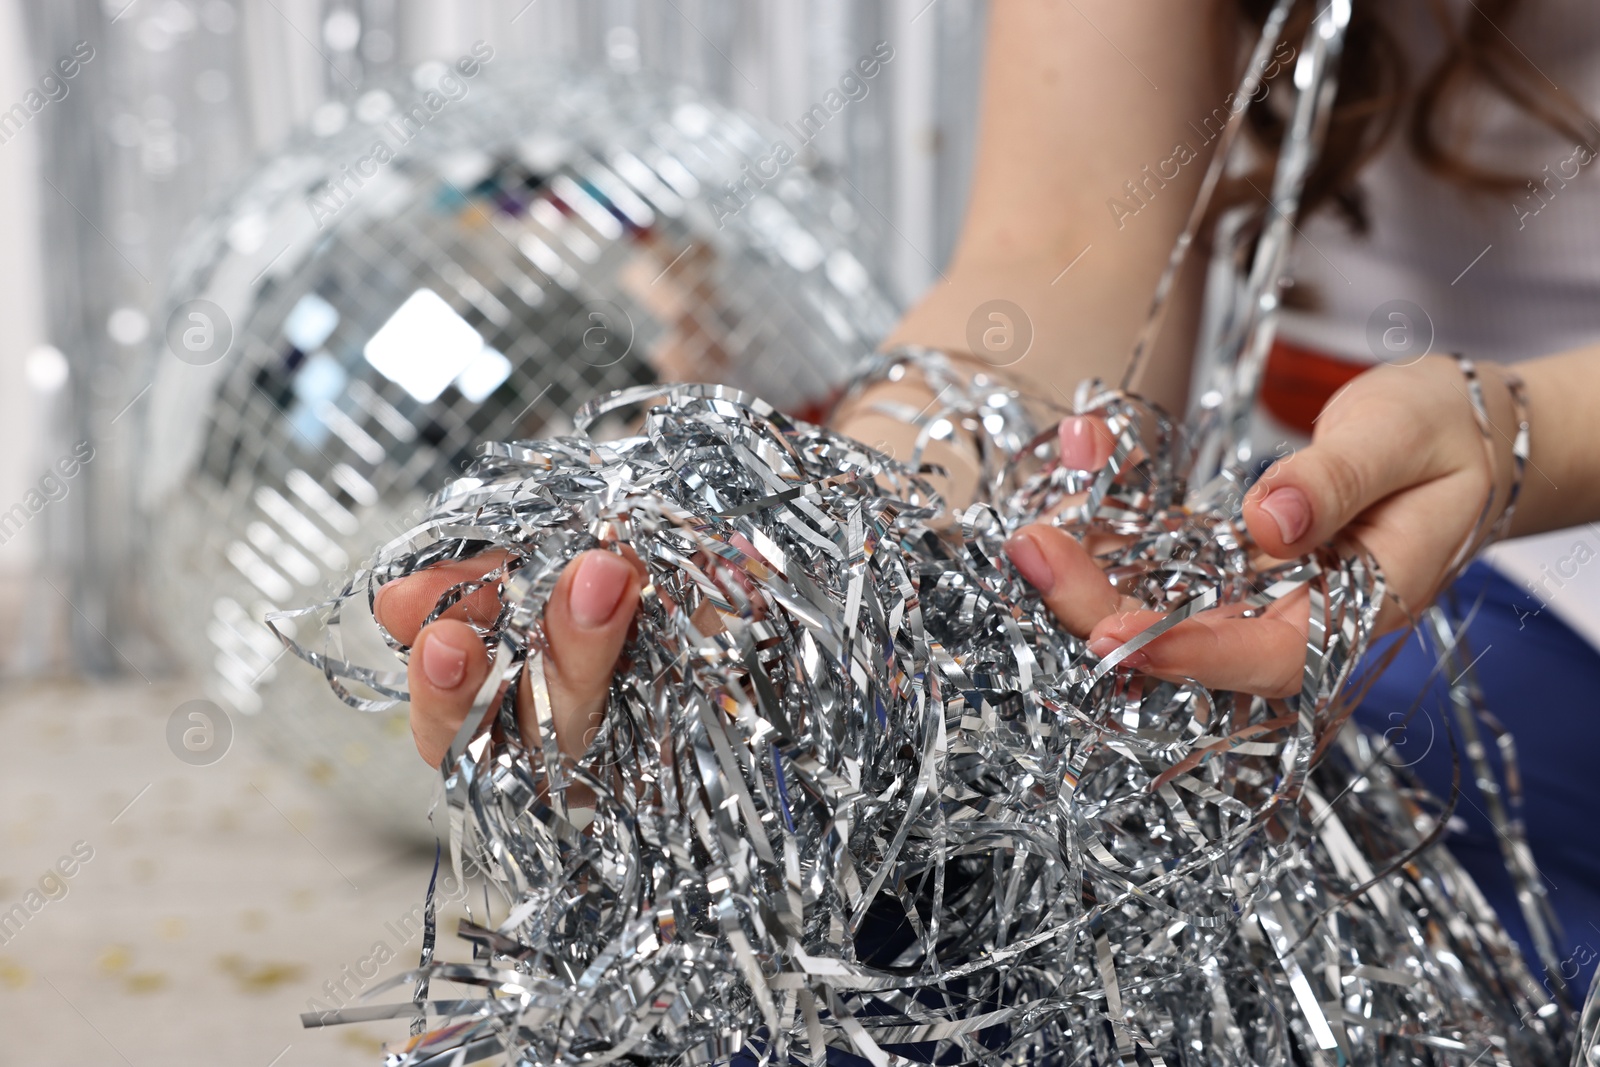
[1501, 276]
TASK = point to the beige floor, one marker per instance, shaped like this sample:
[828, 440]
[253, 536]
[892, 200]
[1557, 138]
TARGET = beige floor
[213, 907]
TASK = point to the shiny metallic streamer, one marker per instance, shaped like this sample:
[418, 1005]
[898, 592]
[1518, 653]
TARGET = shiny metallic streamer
[855, 790]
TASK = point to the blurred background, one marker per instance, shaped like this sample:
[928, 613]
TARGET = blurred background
[272, 269]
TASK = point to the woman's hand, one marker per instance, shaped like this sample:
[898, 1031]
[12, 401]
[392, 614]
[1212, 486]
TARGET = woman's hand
[1397, 463]
[586, 620]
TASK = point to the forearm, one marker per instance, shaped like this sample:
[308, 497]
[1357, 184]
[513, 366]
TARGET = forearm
[1068, 119]
[1561, 486]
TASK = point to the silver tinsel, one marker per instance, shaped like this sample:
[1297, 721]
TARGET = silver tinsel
[855, 789]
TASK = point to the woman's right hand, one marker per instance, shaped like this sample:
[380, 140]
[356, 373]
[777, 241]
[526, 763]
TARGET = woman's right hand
[586, 620]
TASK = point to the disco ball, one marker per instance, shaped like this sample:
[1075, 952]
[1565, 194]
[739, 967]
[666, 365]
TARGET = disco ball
[407, 280]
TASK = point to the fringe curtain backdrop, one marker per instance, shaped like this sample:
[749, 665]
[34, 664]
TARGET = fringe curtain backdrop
[183, 95]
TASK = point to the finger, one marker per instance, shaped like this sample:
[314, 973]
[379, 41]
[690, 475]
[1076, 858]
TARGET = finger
[401, 605]
[1070, 582]
[1086, 442]
[447, 667]
[1366, 448]
[1218, 649]
[1415, 536]
[586, 623]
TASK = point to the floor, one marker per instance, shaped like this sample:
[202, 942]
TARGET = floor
[206, 904]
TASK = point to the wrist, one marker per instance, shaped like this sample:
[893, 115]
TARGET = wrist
[888, 414]
[1500, 411]
[1075, 312]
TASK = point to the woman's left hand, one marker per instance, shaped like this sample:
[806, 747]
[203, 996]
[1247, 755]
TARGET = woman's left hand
[1396, 462]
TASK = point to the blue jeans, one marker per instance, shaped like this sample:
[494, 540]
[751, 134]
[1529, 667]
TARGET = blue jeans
[1542, 681]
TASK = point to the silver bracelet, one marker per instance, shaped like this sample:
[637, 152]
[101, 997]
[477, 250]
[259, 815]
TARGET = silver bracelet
[1486, 427]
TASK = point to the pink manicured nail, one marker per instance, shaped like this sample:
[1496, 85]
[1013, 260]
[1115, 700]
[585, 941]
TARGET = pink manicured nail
[1080, 444]
[1025, 556]
[1291, 510]
[443, 664]
[597, 588]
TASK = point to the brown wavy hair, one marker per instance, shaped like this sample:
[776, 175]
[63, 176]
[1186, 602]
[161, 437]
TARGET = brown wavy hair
[1380, 94]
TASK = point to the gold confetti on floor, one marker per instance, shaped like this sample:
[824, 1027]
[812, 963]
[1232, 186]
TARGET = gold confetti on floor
[145, 982]
[262, 977]
[115, 959]
[14, 975]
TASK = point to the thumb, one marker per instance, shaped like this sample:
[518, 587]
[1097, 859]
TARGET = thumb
[1305, 499]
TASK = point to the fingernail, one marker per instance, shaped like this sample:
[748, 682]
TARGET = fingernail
[443, 664]
[1025, 555]
[1291, 510]
[1080, 445]
[597, 589]
[1104, 646]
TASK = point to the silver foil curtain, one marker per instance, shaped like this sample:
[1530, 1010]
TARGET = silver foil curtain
[184, 95]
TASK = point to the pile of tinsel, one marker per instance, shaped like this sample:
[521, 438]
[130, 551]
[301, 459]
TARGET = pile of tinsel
[856, 790]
